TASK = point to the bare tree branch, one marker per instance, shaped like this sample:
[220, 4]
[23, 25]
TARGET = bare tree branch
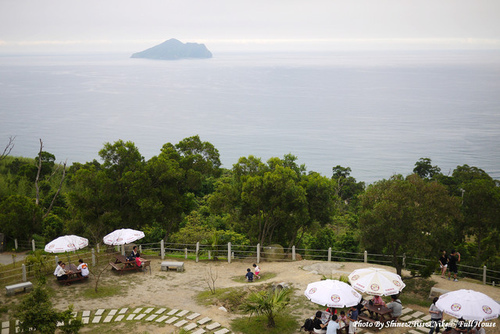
[38, 173]
[57, 192]
[8, 148]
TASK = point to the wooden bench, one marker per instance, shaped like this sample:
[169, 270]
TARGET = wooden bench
[73, 278]
[166, 265]
[24, 286]
[367, 318]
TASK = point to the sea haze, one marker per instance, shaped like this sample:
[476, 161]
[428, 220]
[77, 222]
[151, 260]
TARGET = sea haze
[375, 112]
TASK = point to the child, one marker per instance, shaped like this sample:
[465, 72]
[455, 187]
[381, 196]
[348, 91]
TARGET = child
[249, 275]
[257, 270]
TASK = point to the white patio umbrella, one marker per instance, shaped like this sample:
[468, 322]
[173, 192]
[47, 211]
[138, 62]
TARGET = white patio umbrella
[375, 281]
[66, 243]
[122, 237]
[469, 304]
[332, 293]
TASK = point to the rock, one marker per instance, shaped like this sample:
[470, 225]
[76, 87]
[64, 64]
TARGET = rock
[174, 49]
[222, 308]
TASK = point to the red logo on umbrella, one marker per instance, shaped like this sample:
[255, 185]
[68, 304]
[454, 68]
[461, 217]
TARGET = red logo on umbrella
[456, 307]
[487, 309]
[374, 287]
[335, 298]
[313, 290]
[396, 283]
[355, 277]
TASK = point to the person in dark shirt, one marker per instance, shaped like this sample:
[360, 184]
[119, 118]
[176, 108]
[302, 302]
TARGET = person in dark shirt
[319, 327]
[249, 275]
[443, 263]
[452, 265]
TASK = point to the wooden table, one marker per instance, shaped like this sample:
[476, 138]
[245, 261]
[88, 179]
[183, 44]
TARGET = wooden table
[380, 310]
[121, 264]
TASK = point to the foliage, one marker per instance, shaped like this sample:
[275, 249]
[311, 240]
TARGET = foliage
[285, 323]
[37, 262]
[415, 217]
[36, 312]
[268, 303]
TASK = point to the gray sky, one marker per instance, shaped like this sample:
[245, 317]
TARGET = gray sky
[232, 25]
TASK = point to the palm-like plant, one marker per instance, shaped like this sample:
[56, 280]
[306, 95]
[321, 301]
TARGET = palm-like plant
[268, 303]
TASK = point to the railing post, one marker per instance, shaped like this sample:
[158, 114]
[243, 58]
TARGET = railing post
[93, 257]
[185, 253]
[140, 249]
[24, 272]
[484, 275]
[258, 253]
[197, 250]
[33, 244]
[15, 244]
[366, 257]
[293, 253]
[404, 260]
[162, 249]
[98, 248]
[57, 260]
[209, 255]
[229, 252]
[329, 254]
[123, 250]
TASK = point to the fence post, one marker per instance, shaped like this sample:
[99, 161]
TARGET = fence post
[209, 255]
[57, 260]
[185, 253]
[33, 244]
[15, 244]
[24, 273]
[293, 253]
[329, 254]
[123, 250]
[162, 249]
[229, 252]
[197, 250]
[484, 275]
[258, 253]
[404, 260]
[98, 249]
[365, 257]
[140, 249]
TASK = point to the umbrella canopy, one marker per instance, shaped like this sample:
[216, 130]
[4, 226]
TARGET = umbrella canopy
[468, 304]
[332, 293]
[375, 281]
[122, 236]
[66, 243]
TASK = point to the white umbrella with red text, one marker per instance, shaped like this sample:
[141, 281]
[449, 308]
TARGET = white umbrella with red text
[122, 236]
[332, 293]
[376, 281]
[469, 305]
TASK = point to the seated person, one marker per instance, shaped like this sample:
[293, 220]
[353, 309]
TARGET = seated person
[478, 329]
[396, 307]
[343, 322]
[135, 253]
[376, 301]
[249, 275]
[57, 268]
[331, 310]
[361, 306]
[462, 326]
[84, 268]
[333, 326]
[62, 274]
[319, 327]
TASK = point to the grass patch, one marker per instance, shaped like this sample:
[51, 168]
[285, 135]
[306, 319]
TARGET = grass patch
[285, 324]
[263, 277]
[230, 298]
[103, 291]
[417, 291]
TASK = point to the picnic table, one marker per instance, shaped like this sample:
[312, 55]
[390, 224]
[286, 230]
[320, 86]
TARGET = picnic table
[122, 264]
[73, 275]
[379, 310]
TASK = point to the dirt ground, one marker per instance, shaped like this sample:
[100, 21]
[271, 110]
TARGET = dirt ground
[178, 289]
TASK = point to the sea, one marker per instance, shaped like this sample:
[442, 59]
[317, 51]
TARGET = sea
[377, 112]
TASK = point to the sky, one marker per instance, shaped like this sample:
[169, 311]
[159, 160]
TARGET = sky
[31, 26]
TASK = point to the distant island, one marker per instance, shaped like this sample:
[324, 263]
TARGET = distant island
[174, 49]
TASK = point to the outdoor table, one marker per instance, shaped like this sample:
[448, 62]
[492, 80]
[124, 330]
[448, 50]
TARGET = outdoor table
[380, 310]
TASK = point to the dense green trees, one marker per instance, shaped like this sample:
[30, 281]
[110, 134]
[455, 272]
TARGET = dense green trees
[183, 195]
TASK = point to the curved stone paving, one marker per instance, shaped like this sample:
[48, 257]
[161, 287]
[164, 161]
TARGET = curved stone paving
[196, 324]
[190, 321]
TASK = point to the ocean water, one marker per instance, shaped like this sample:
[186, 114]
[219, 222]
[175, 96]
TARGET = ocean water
[376, 112]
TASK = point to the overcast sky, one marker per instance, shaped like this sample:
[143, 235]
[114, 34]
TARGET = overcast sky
[232, 25]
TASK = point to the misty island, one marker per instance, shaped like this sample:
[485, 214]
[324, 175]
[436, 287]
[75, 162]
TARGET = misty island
[174, 49]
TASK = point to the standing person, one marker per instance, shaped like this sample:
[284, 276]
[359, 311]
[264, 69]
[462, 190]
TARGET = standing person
[452, 265]
[443, 263]
[332, 326]
[436, 316]
[249, 275]
[84, 268]
[353, 318]
[256, 270]
[57, 268]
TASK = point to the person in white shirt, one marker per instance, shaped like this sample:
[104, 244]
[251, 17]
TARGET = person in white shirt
[61, 272]
[57, 268]
[83, 267]
[333, 325]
